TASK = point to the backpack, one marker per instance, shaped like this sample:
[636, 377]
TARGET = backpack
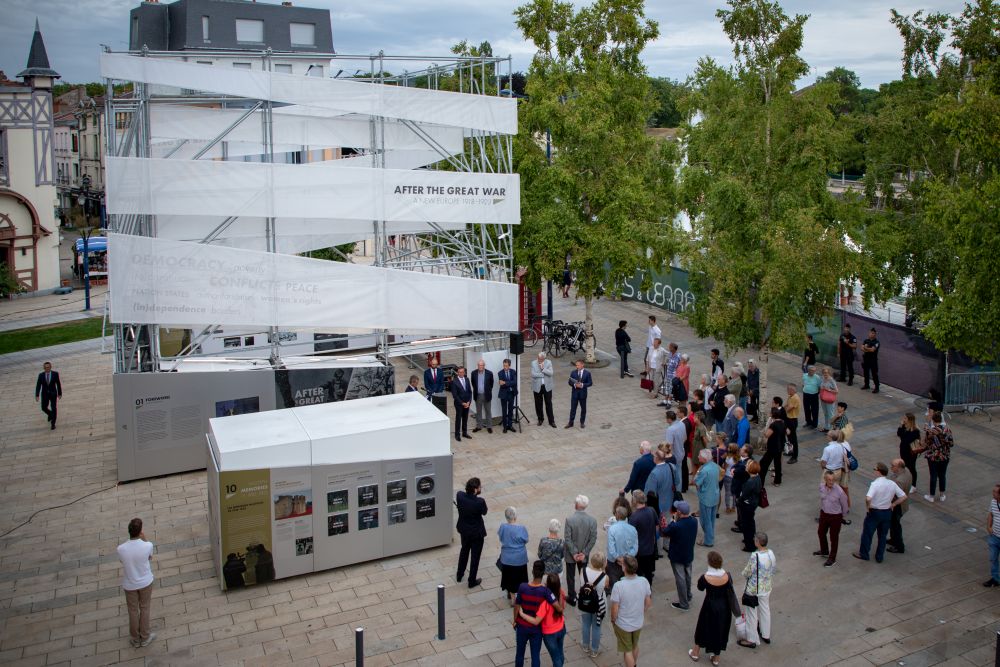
[588, 600]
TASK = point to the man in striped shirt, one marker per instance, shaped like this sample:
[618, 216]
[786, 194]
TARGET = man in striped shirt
[993, 538]
[529, 597]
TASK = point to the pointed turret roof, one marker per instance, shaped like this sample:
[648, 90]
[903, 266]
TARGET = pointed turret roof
[38, 59]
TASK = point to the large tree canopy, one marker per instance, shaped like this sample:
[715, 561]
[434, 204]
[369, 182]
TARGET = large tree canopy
[605, 202]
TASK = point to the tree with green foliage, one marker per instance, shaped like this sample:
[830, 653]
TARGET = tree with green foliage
[766, 253]
[667, 94]
[935, 176]
[604, 207]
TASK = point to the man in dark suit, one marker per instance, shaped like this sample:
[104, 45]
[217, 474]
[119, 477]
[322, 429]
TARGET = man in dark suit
[433, 379]
[482, 394]
[472, 529]
[580, 380]
[461, 391]
[413, 385]
[49, 389]
[507, 392]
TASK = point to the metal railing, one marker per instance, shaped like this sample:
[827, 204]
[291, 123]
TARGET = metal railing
[972, 392]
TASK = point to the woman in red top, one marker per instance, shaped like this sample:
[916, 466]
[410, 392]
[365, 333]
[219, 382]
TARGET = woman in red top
[552, 621]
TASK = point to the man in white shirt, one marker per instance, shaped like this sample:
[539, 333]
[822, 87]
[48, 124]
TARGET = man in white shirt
[655, 358]
[654, 333]
[630, 599]
[883, 495]
[137, 582]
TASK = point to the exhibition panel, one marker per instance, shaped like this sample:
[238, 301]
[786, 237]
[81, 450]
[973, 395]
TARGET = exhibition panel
[479, 112]
[177, 283]
[148, 186]
[271, 516]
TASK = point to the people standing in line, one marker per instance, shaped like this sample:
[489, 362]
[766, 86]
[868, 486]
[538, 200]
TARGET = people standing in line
[828, 391]
[809, 355]
[686, 426]
[551, 549]
[735, 382]
[652, 335]
[811, 381]
[672, 361]
[792, 406]
[909, 446]
[580, 380]
[882, 497]
[707, 482]
[742, 428]
[136, 556]
[644, 520]
[676, 437]
[684, 373]
[623, 345]
[631, 598]
[743, 395]
[719, 406]
[718, 366]
[938, 441]
[775, 434]
[471, 528]
[594, 607]
[529, 598]
[901, 476]
[753, 390]
[580, 538]
[701, 436]
[730, 423]
[832, 509]
[507, 392]
[732, 457]
[461, 392]
[551, 620]
[705, 391]
[993, 538]
[740, 476]
[845, 350]
[482, 394]
[682, 531]
[48, 389]
[655, 358]
[623, 540]
[433, 379]
[717, 611]
[513, 553]
[759, 573]
[641, 468]
[869, 360]
[542, 384]
[746, 505]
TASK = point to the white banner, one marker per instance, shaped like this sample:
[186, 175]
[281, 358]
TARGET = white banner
[155, 281]
[480, 112]
[143, 186]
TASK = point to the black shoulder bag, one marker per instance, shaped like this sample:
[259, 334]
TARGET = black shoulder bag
[748, 599]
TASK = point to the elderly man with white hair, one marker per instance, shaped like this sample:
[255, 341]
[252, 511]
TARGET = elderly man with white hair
[579, 537]
[731, 422]
[707, 484]
[541, 385]
[641, 468]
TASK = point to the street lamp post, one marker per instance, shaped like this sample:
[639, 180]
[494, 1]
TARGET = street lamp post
[85, 232]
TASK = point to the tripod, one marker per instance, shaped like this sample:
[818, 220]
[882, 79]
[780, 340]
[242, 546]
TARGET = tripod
[518, 412]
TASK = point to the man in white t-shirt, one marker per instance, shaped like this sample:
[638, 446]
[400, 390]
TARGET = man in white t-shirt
[654, 333]
[631, 598]
[137, 582]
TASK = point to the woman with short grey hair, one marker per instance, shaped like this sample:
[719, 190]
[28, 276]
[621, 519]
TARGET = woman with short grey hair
[550, 549]
[759, 573]
[513, 561]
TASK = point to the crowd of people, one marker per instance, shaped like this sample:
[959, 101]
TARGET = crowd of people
[723, 445]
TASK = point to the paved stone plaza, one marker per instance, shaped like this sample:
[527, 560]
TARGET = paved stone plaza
[60, 601]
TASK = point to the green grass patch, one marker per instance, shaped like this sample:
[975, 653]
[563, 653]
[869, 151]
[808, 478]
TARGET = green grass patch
[52, 334]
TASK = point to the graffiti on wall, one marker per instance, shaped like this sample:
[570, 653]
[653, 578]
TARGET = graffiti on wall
[667, 291]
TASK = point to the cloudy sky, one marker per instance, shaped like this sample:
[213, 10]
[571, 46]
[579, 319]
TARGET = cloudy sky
[853, 33]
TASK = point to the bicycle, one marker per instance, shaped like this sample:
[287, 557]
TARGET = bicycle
[530, 333]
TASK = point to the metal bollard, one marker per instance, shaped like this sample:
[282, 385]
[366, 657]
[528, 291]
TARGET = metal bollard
[359, 647]
[996, 662]
[441, 612]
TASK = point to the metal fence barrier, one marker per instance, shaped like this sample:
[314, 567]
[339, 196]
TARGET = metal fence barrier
[972, 392]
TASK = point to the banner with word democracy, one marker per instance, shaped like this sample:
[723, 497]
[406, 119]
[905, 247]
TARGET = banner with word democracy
[156, 281]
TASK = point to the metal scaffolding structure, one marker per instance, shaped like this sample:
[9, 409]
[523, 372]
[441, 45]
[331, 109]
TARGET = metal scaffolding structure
[477, 251]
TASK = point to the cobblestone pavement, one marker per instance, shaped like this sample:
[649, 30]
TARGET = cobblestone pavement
[60, 602]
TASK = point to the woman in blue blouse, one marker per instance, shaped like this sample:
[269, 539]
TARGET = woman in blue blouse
[513, 554]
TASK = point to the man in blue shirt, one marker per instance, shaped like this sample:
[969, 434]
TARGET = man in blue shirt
[641, 468]
[623, 540]
[662, 481]
[742, 427]
[682, 532]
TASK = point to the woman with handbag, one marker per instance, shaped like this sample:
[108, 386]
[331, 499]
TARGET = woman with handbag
[747, 503]
[827, 397]
[909, 446]
[711, 634]
[759, 572]
[938, 442]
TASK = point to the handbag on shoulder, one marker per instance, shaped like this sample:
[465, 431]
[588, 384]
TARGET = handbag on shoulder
[748, 599]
